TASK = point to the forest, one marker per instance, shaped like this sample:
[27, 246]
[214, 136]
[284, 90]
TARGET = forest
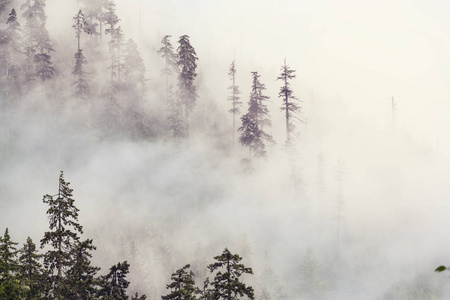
[202, 175]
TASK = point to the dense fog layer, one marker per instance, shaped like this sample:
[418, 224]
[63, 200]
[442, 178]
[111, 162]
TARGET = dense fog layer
[363, 193]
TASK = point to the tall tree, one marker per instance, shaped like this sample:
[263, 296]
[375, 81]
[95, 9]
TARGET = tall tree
[290, 106]
[82, 82]
[175, 117]
[63, 235]
[170, 59]
[227, 284]
[10, 288]
[253, 135]
[111, 19]
[31, 273]
[80, 277]
[114, 284]
[187, 64]
[234, 98]
[11, 58]
[312, 284]
[182, 286]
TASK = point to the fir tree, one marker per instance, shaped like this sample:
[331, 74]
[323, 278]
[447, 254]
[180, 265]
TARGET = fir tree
[312, 284]
[82, 82]
[182, 286]
[290, 107]
[170, 60]
[114, 284]
[227, 284]
[234, 98]
[10, 288]
[137, 297]
[80, 277]
[206, 293]
[187, 64]
[63, 235]
[31, 273]
[111, 19]
[12, 57]
[175, 117]
[253, 135]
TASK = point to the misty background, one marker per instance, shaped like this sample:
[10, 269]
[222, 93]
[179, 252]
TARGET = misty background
[383, 177]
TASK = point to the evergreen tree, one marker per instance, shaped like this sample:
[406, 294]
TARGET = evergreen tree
[31, 273]
[10, 288]
[114, 284]
[137, 297]
[80, 277]
[206, 293]
[234, 98]
[290, 107]
[182, 286]
[175, 117]
[111, 19]
[62, 237]
[253, 135]
[312, 285]
[11, 58]
[187, 64]
[227, 284]
[170, 59]
[271, 287]
[133, 90]
[82, 82]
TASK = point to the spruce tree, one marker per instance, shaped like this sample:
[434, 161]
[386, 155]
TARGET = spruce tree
[290, 106]
[31, 273]
[226, 283]
[80, 277]
[234, 98]
[175, 117]
[312, 284]
[81, 83]
[111, 19]
[114, 284]
[187, 65]
[11, 59]
[10, 288]
[182, 286]
[253, 135]
[170, 60]
[62, 237]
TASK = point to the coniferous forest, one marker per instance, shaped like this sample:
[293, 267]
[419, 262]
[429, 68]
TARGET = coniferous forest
[223, 150]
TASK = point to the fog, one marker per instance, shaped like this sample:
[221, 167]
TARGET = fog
[160, 205]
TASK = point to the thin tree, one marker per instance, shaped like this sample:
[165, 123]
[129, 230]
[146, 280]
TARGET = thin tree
[227, 283]
[290, 106]
[114, 284]
[170, 60]
[253, 135]
[82, 84]
[187, 62]
[63, 235]
[31, 274]
[234, 98]
[182, 286]
[10, 288]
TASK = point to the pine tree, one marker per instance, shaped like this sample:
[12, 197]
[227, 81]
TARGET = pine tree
[10, 288]
[82, 82]
[175, 117]
[227, 284]
[253, 135]
[187, 64]
[63, 235]
[290, 107]
[312, 285]
[206, 293]
[11, 58]
[31, 273]
[111, 19]
[234, 98]
[170, 59]
[80, 277]
[137, 297]
[114, 284]
[182, 286]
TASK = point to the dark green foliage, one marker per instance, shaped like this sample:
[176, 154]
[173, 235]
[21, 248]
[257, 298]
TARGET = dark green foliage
[137, 297]
[63, 235]
[253, 135]
[206, 293]
[290, 107]
[187, 63]
[226, 283]
[10, 288]
[114, 284]
[440, 269]
[182, 286]
[80, 277]
[31, 273]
